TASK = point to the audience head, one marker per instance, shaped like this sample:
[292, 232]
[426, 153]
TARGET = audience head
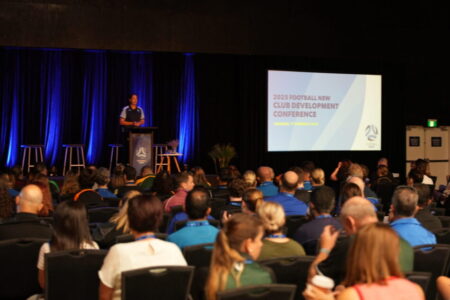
[250, 178]
[144, 214]
[252, 199]
[70, 185]
[318, 177]
[103, 177]
[300, 173]
[163, 183]
[404, 202]
[146, 170]
[129, 173]
[355, 170]
[383, 162]
[121, 218]
[382, 171]
[322, 200]
[199, 177]
[185, 181]
[87, 178]
[423, 191]
[237, 187]
[41, 181]
[225, 176]
[289, 182]
[198, 203]
[117, 177]
[357, 212]
[373, 256]
[234, 171]
[415, 176]
[307, 165]
[350, 190]
[265, 174]
[272, 216]
[30, 199]
[6, 201]
[359, 182]
[421, 166]
[70, 226]
[242, 233]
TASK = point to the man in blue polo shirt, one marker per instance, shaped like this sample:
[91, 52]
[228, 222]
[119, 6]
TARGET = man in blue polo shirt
[197, 229]
[403, 209]
[292, 206]
[265, 176]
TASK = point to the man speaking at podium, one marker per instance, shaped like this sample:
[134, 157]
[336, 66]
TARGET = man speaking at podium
[131, 115]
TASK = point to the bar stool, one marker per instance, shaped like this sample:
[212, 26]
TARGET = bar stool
[159, 149]
[167, 157]
[79, 149]
[114, 153]
[38, 156]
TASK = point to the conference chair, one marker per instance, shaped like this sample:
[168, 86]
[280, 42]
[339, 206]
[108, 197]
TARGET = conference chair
[434, 259]
[290, 270]
[199, 256]
[101, 214]
[73, 274]
[442, 235]
[445, 221]
[18, 271]
[421, 278]
[259, 292]
[293, 223]
[164, 282]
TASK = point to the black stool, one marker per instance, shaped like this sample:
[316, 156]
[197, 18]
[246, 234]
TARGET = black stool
[79, 149]
[38, 156]
[114, 152]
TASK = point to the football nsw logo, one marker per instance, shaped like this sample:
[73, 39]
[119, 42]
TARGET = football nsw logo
[371, 132]
[141, 155]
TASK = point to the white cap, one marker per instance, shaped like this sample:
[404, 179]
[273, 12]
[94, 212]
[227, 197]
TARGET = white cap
[323, 282]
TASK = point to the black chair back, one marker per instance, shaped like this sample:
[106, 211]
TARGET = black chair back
[101, 214]
[18, 272]
[421, 278]
[181, 224]
[290, 270]
[293, 223]
[445, 221]
[259, 292]
[198, 255]
[434, 259]
[164, 282]
[438, 211]
[73, 274]
[442, 235]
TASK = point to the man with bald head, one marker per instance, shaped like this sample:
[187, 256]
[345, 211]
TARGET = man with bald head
[332, 258]
[26, 223]
[265, 177]
[286, 196]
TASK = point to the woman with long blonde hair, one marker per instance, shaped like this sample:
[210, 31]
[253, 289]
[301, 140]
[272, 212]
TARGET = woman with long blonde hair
[237, 245]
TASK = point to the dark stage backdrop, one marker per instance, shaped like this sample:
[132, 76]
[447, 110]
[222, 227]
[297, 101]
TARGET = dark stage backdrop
[54, 96]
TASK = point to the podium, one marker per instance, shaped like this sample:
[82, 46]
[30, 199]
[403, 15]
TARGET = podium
[141, 147]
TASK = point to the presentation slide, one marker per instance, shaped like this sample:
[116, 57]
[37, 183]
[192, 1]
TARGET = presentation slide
[323, 111]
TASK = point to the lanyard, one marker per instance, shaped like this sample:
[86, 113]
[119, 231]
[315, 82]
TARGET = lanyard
[236, 204]
[276, 236]
[197, 223]
[147, 236]
[323, 217]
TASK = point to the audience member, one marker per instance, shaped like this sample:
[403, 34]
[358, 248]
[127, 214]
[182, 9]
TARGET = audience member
[197, 229]
[443, 286]
[41, 168]
[232, 265]
[330, 261]
[424, 215]
[200, 178]
[163, 185]
[87, 195]
[144, 216]
[286, 198]
[47, 201]
[251, 200]
[70, 231]
[8, 178]
[102, 179]
[234, 172]
[317, 177]
[6, 201]
[356, 170]
[70, 187]
[360, 183]
[26, 223]
[423, 168]
[221, 190]
[403, 208]
[265, 177]
[250, 178]
[320, 207]
[275, 243]
[373, 272]
[341, 172]
[185, 183]
[130, 182]
[236, 190]
[146, 179]
[117, 178]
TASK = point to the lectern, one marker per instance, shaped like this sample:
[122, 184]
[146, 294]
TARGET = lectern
[140, 147]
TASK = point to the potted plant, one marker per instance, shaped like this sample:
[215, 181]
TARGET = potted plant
[222, 154]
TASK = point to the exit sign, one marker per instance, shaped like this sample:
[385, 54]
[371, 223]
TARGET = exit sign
[432, 123]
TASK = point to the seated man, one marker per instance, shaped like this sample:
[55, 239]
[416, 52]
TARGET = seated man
[221, 190]
[197, 230]
[403, 208]
[331, 260]
[286, 198]
[102, 179]
[265, 177]
[320, 207]
[26, 223]
[130, 177]
[185, 183]
[145, 182]
[423, 215]
[236, 190]
[87, 195]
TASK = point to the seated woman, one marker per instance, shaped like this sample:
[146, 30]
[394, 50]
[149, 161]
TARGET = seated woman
[252, 199]
[70, 231]
[236, 246]
[275, 243]
[144, 215]
[373, 272]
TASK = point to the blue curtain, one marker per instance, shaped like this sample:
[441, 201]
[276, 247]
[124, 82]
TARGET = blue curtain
[141, 82]
[188, 112]
[94, 104]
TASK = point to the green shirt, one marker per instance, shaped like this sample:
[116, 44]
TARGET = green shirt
[273, 250]
[252, 274]
[406, 256]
